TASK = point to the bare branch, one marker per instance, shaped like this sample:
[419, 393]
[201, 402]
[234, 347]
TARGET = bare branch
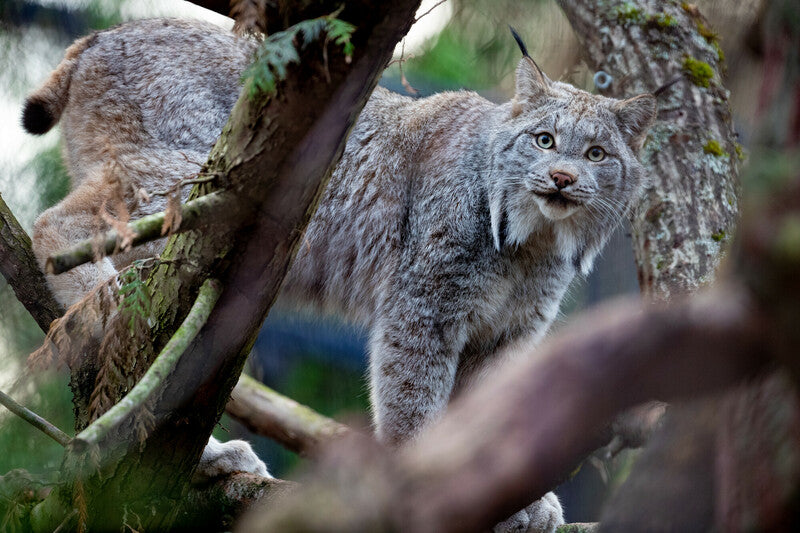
[35, 420]
[215, 208]
[437, 4]
[273, 415]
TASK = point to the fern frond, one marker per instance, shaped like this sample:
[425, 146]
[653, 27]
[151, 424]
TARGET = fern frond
[282, 49]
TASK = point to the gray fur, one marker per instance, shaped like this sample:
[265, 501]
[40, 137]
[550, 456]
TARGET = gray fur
[435, 231]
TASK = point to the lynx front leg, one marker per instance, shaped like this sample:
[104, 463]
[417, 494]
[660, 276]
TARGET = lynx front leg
[414, 349]
[412, 375]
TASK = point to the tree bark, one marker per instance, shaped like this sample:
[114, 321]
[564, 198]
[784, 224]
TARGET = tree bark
[690, 209]
[19, 267]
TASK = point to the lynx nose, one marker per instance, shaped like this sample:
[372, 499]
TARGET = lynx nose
[562, 179]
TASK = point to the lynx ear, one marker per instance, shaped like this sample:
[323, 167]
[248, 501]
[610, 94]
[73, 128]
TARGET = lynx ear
[635, 116]
[532, 84]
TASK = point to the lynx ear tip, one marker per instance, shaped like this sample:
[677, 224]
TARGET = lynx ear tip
[520, 43]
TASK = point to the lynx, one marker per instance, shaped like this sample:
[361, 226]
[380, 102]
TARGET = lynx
[451, 227]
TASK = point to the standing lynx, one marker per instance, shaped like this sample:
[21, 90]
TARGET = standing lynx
[451, 227]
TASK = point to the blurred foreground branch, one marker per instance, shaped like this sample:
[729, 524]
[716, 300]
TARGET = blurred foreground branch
[614, 358]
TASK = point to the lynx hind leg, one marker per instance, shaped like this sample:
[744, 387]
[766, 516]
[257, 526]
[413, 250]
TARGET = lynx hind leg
[59, 228]
[222, 458]
[542, 516]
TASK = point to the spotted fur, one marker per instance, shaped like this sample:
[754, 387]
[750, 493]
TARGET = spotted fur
[442, 229]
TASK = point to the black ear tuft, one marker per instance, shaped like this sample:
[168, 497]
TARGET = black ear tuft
[522, 47]
[36, 117]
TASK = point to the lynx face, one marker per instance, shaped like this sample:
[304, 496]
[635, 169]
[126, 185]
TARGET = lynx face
[564, 157]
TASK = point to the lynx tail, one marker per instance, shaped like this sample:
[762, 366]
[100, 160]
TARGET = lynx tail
[43, 108]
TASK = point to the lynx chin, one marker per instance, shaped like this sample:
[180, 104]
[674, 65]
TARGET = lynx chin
[450, 228]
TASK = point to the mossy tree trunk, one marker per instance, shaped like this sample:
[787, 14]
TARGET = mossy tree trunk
[691, 206]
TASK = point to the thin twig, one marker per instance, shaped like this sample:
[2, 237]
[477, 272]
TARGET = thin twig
[35, 420]
[183, 182]
[186, 157]
[409, 89]
[437, 4]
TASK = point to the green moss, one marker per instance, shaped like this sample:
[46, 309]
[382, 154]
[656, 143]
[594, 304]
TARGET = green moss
[714, 148]
[718, 49]
[718, 236]
[660, 264]
[707, 33]
[698, 71]
[628, 13]
[739, 151]
[662, 21]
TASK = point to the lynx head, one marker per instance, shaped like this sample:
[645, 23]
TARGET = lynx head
[565, 157]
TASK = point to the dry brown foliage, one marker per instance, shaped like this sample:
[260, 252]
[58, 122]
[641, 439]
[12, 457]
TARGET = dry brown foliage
[172, 215]
[70, 335]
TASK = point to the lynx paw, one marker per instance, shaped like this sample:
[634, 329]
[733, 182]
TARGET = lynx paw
[222, 458]
[542, 516]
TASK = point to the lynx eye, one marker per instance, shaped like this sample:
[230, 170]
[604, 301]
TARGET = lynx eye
[545, 141]
[596, 154]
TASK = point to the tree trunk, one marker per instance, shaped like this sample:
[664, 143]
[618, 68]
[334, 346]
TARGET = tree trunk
[691, 206]
[276, 154]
